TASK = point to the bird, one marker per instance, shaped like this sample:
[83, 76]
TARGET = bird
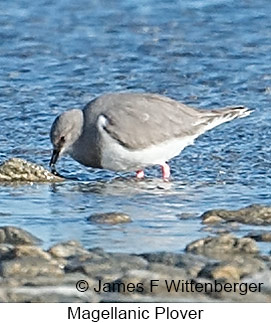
[132, 131]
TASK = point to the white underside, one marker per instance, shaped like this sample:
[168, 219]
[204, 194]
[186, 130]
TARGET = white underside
[118, 158]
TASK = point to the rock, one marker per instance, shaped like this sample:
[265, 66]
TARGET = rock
[166, 258]
[222, 246]
[233, 270]
[107, 267]
[110, 218]
[226, 272]
[30, 251]
[263, 276]
[68, 249]
[143, 277]
[263, 236]
[237, 295]
[168, 272]
[95, 269]
[253, 214]
[20, 170]
[16, 236]
[6, 251]
[29, 267]
[164, 275]
[189, 262]
[212, 219]
[221, 227]
[126, 261]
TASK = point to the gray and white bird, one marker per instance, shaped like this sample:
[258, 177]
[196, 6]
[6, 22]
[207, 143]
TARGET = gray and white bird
[132, 131]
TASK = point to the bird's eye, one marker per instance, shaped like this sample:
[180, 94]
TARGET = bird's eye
[61, 141]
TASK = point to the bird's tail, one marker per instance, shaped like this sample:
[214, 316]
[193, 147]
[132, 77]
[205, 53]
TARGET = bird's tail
[214, 118]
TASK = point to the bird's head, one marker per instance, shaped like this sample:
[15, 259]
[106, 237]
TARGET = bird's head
[65, 131]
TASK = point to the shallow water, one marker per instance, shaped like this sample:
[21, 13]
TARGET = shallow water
[56, 55]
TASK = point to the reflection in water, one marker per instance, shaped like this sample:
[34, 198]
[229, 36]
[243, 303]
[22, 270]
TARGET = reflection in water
[125, 187]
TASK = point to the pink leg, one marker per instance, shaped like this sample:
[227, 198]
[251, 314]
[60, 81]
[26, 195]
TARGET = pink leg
[165, 171]
[140, 174]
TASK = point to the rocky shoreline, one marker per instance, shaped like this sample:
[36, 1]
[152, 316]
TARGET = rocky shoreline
[30, 274]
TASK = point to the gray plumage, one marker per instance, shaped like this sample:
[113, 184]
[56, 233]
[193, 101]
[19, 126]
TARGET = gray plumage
[114, 129]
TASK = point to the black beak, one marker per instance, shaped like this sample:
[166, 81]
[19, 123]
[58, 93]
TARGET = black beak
[53, 160]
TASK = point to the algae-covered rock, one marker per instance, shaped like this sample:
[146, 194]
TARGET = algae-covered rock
[20, 170]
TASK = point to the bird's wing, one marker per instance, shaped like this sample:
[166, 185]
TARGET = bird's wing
[138, 120]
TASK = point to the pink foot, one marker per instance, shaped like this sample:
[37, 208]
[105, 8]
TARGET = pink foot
[140, 174]
[165, 171]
